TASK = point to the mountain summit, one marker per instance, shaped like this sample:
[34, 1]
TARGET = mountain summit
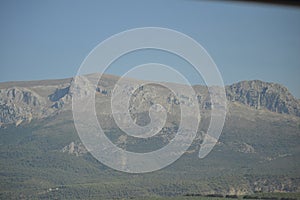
[259, 94]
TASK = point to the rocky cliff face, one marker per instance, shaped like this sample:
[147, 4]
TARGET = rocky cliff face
[259, 94]
[22, 103]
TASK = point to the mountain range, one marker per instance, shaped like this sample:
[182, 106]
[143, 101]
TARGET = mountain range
[43, 157]
[24, 101]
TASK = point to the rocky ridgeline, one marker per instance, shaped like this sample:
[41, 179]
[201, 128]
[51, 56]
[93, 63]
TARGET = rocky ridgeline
[21, 103]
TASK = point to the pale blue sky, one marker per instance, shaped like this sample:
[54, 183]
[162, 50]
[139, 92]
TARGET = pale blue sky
[50, 39]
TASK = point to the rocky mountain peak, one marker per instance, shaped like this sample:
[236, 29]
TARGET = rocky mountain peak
[259, 94]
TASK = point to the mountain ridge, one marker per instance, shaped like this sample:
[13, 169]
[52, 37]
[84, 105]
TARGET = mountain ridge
[27, 100]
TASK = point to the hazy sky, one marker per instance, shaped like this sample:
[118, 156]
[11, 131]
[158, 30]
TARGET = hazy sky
[50, 39]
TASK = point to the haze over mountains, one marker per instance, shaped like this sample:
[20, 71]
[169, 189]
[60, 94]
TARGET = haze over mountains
[258, 150]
